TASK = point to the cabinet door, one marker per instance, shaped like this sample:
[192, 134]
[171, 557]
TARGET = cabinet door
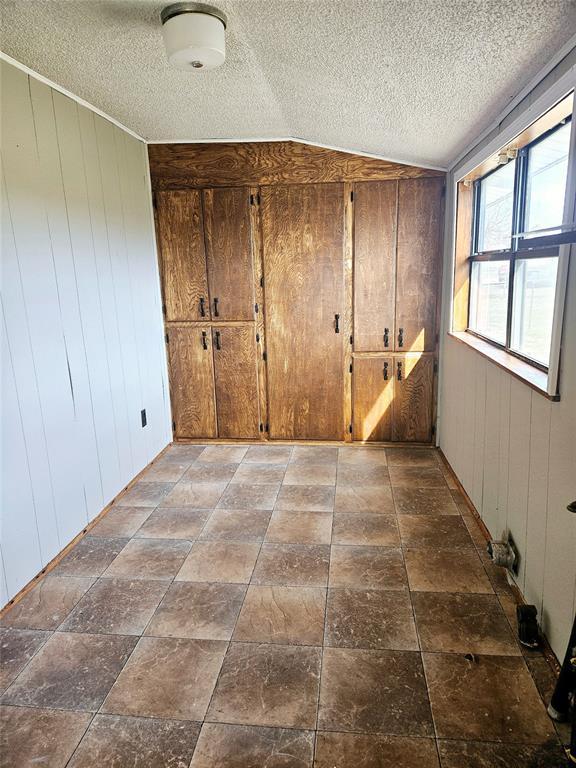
[192, 381]
[303, 245]
[236, 381]
[372, 395]
[181, 243]
[229, 253]
[418, 263]
[374, 265]
[413, 393]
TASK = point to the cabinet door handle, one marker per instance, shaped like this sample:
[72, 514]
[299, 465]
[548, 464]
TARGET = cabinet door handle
[218, 345]
[401, 337]
[215, 307]
[204, 342]
[336, 323]
[386, 339]
[399, 372]
[385, 371]
[202, 307]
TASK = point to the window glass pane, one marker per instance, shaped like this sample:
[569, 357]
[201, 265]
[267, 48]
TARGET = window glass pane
[489, 299]
[496, 205]
[547, 169]
[533, 307]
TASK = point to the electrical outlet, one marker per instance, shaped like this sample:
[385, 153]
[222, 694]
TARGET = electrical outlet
[143, 417]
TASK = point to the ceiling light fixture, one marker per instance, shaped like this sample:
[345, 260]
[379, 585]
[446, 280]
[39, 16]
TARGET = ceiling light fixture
[194, 35]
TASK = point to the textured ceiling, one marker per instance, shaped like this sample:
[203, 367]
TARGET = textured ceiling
[411, 80]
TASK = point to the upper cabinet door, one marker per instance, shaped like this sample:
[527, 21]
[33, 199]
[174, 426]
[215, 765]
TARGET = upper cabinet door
[229, 253]
[236, 377]
[181, 242]
[374, 265]
[418, 263]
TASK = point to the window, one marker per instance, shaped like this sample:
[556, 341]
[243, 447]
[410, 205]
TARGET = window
[513, 277]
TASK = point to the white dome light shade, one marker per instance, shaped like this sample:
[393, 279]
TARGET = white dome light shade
[194, 35]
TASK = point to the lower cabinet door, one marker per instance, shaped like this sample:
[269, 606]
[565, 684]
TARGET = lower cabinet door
[192, 381]
[372, 395]
[235, 373]
[413, 393]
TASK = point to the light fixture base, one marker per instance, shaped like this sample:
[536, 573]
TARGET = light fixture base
[176, 9]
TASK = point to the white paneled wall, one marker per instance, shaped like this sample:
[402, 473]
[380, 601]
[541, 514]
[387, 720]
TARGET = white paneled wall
[82, 344]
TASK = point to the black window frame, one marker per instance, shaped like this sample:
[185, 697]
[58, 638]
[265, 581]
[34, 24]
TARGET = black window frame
[521, 248]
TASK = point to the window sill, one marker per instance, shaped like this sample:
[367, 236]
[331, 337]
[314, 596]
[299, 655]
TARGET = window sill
[534, 378]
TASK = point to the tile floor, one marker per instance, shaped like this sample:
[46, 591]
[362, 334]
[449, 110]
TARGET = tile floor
[277, 607]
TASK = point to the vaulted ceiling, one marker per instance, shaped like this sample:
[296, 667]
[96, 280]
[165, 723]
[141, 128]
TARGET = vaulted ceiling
[410, 80]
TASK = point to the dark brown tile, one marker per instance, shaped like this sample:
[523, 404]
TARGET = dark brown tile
[314, 454]
[361, 455]
[210, 473]
[165, 471]
[410, 500]
[436, 531]
[370, 618]
[198, 610]
[143, 494]
[284, 615]
[452, 623]
[420, 477]
[116, 607]
[481, 754]
[292, 565]
[268, 454]
[150, 559]
[47, 605]
[362, 475]
[359, 750]
[90, 557]
[497, 575]
[300, 527]
[430, 571]
[167, 677]
[492, 698]
[196, 495]
[17, 647]
[304, 473]
[182, 453]
[174, 523]
[39, 737]
[274, 685]
[374, 692]
[365, 529]
[412, 457]
[237, 524]
[244, 746]
[220, 561]
[71, 671]
[121, 522]
[306, 498]
[475, 531]
[135, 741]
[249, 496]
[259, 474]
[223, 454]
[354, 499]
[367, 568]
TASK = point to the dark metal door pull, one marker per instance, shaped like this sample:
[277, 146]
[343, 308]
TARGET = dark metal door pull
[385, 371]
[216, 308]
[218, 345]
[401, 337]
[202, 308]
[399, 372]
[204, 342]
[337, 323]
[386, 332]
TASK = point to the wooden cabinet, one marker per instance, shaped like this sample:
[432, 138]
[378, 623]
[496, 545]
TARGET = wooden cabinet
[236, 381]
[372, 398]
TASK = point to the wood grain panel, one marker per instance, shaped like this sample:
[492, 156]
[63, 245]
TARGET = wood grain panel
[373, 393]
[375, 208]
[192, 381]
[181, 243]
[229, 253]
[235, 371]
[303, 244]
[273, 162]
[412, 407]
[258, 271]
[418, 263]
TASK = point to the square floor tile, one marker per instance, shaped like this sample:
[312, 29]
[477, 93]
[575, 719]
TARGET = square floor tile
[412, 457]
[361, 455]
[71, 671]
[306, 498]
[411, 500]
[284, 615]
[183, 523]
[116, 607]
[374, 692]
[17, 647]
[196, 495]
[314, 454]
[462, 624]
[198, 610]
[346, 750]
[365, 529]
[274, 685]
[245, 746]
[304, 473]
[370, 618]
[300, 527]
[39, 737]
[223, 454]
[361, 475]
[47, 605]
[136, 741]
[167, 677]
[237, 524]
[367, 568]
[420, 477]
[430, 571]
[292, 565]
[436, 531]
[149, 559]
[210, 473]
[481, 754]
[90, 557]
[121, 522]
[355, 498]
[220, 561]
[268, 454]
[165, 471]
[259, 474]
[181, 452]
[475, 531]
[249, 496]
[491, 698]
[143, 494]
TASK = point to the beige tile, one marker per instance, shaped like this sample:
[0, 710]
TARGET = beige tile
[165, 471]
[314, 454]
[47, 605]
[237, 524]
[259, 474]
[121, 522]
[360, 455]
[220, 561]
[292, 565]
[223, 454]
[411, 500]
[174, 523]
[196, 495]
[90, 556]
[144, 494]
[436, 531]
[363, 475]
[367, 568]
[268, 454]
[181, 453]
[299, 527]
[249, 496]
[365, 529]
[430, 571]
[353, 499]
[17, 647]
[412, 457]
[306, 498]
[305, 473]
[149, 559]
[420, 477]
[210, 473]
